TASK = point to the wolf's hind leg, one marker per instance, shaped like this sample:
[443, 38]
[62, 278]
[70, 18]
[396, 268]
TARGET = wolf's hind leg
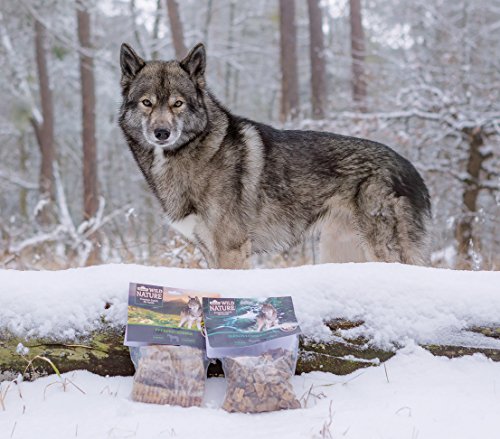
[339, 241]
[391, 229]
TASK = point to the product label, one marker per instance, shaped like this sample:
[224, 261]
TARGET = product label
[164, 315]
[237, 322]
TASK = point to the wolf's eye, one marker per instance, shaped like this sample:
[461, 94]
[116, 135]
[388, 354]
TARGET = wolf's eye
[177, 104]
[147, 103]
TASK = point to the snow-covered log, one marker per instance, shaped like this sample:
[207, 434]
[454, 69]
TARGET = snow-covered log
[352, 315]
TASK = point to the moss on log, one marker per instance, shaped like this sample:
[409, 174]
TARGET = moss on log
[103, 353]
[460, 351]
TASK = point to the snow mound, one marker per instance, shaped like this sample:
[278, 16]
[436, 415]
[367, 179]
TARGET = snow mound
[398, 303]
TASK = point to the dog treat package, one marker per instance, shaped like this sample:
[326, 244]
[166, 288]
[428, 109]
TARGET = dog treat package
[167, 346]
[169, 375]
[257, 341]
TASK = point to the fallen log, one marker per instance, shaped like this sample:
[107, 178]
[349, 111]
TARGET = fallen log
[103, 353]
[352, 315]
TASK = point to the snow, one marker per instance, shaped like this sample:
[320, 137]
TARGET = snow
[415, 395]
[398, 303]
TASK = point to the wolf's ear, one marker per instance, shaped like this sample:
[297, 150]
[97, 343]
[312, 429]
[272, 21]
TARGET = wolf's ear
[130, 62]
[194, 63]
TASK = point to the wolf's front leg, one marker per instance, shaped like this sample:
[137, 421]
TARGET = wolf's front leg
[236, 258]
[260, 325]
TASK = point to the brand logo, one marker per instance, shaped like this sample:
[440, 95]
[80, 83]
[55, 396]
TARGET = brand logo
[222, 307]
[149, 295]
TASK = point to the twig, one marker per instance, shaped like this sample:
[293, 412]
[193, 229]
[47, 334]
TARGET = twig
[353, 378]
[403, 408]
[386, 375]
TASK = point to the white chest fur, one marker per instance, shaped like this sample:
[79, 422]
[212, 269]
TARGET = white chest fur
[186, 226]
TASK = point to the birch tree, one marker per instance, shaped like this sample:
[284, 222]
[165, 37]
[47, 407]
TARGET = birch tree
[44, 129]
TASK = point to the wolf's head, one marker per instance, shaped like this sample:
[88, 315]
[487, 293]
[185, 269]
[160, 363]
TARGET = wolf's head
[163, 100]
[268, 310]
[194, 303]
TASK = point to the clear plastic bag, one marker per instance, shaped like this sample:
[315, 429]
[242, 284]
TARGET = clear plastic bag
[167, 374]
[261, 381]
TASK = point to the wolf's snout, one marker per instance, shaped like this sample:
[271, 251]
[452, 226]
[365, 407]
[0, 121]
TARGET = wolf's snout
[162, 133]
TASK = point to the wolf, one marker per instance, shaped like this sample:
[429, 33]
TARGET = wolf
[267, 317]
[235, 187]
[191, 313]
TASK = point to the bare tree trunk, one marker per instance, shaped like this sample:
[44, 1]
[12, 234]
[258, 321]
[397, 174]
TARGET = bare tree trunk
[464, 228]
[288, 48]
[176, 29]
[208, 19]
[23, 193]
[137, 33]
[357, 55]
[90, 189]
[230, 42]
[317, 57]
[156, 30]
[45, 129]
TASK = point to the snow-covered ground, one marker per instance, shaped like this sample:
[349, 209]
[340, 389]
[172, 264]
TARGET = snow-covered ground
[414, 396]
[397, 302]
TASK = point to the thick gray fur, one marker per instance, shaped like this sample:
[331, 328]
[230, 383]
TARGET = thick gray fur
[235, 187]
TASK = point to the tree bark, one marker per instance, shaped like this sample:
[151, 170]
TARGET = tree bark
[176, 29]
[45, 129]
[90, 182]
[464, 231]
[317, 59]
[357, 55]
[289, 74]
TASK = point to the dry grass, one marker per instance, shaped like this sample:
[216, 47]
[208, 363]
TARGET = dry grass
[174, 251]
[4, 390]
[311, 394]
[325, 431]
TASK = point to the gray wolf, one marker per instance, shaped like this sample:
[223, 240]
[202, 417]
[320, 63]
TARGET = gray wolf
[235, 187]
[267, 317]
[191, 313]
